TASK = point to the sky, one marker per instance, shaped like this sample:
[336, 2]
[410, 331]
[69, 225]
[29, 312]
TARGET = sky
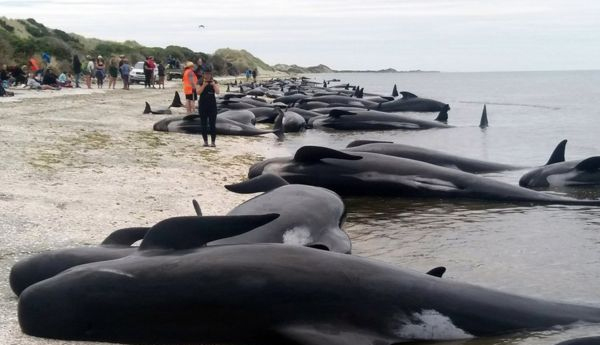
[440, 35]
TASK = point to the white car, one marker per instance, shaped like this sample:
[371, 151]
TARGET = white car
[136, 75]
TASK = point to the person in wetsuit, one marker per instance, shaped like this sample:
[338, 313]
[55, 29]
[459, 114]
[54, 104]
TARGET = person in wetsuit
[207, 106]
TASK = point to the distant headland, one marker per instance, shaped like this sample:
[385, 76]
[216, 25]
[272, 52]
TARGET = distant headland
[22, 38]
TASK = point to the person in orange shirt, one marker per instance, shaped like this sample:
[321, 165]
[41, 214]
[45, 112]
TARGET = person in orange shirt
[34, 66]
[189, 86]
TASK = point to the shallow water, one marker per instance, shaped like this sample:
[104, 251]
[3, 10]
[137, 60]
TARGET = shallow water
[550, 252]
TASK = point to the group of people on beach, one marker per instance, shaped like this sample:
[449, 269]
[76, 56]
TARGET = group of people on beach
[199, 85]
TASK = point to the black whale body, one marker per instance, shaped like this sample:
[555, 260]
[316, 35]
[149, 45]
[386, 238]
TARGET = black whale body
[364, 173]
[273, 294]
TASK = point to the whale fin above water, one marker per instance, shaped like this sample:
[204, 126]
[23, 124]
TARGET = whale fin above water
[365, 142]
[316, 153]
[437, 271]
[338, 113]
[558, 155]
[407, 95]
[261, 183]
[147, 109]
[395, 91]
[278, 129]
[590, 164]
[197, 207]
[483, 123]
[182, 233]
[125, 237]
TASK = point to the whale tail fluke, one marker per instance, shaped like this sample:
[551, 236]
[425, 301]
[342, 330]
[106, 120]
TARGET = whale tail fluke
[147, 109]
[262, 183]
[558, 155]
[443, 115]
[483, 123]
[176, 103]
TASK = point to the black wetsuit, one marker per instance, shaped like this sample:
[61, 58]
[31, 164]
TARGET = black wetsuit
[207, 109]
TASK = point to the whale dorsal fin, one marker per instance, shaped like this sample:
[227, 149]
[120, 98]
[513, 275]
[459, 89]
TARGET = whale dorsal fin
[437, 271]
[197, 207]
[181, 233]
[558, 155]
[176, 103]
[147, 109]
[483, 123]
[261, 183]
[395, 91]
[316, 153]
[406, 95]
[365, 142]
[339, 113]
[126, 236]
[590, 164]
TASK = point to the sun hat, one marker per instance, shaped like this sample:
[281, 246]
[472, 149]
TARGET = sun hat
[99, 56]
[189, 64]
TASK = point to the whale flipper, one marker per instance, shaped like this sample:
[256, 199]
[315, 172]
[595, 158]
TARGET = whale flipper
[407, 95]
[558, 155]
[590, 164]
[395, 91]
[147, 109]
[181, 233]
[197, 207]
[484, 120]
[437, 271]
[443, 115]
[365, 142]
[126, 236]
[278, 125]
[316, 153]
[261, 183]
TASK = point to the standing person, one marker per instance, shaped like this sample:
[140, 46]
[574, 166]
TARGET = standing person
[200, 68]
[189, 80]
[147, 72]
[207, 106]
[161, 74]
[100, 71]
[88, 72]
[248, 73]
[113, 72]
[125, 69]
[254, 74]
[76, 69]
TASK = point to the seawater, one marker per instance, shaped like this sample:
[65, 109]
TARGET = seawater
[548, 252]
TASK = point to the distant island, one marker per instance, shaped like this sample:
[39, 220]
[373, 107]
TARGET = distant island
[21, 39]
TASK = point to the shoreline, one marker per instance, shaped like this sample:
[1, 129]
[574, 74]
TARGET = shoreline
[79, 165]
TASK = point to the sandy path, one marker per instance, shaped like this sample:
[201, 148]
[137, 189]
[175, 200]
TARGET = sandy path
[78, 164]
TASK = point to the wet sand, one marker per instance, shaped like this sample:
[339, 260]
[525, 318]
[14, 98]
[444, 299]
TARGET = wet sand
[79, 164]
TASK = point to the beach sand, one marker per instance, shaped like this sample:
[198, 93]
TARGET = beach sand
[78, 164]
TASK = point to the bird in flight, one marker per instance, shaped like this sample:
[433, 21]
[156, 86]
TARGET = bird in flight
[201, 26]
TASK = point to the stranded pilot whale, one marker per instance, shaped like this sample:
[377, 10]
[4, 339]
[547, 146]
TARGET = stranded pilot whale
[558, 172]
[308, 216]
[365, 173]
[272, 294]
[448, 160]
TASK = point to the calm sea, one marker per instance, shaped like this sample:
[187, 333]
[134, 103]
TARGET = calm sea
[549, 252]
